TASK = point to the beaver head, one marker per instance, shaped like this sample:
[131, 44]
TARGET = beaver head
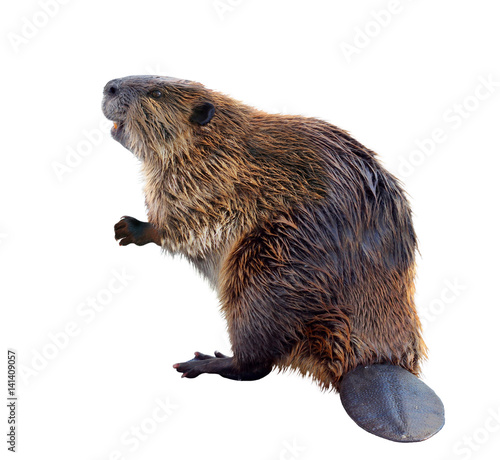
[149, 111]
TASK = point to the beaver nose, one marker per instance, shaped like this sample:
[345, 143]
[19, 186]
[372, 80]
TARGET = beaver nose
[112, 88]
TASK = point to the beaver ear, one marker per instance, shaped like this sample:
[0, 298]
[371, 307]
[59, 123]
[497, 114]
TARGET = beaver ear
[202, 113]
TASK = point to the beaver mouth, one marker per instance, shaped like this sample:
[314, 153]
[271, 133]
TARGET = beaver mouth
[117, 129]
[117, 114]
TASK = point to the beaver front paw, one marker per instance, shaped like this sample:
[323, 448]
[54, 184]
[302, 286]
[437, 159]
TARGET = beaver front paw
[129, 230]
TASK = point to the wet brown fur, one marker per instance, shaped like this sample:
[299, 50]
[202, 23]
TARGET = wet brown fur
[307, 239]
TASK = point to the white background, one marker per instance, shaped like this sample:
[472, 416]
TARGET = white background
[94, 394]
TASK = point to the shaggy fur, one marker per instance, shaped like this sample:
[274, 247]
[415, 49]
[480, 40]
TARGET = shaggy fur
[307, 239]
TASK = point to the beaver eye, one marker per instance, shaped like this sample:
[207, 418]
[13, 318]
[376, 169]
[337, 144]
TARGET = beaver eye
[156, 94]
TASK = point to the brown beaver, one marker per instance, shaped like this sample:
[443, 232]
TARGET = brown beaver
[306, 238]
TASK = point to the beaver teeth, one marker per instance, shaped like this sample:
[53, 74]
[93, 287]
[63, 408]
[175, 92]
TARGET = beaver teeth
[115, 125]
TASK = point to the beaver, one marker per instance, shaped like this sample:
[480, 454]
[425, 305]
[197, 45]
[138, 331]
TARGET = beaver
[306, 238]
